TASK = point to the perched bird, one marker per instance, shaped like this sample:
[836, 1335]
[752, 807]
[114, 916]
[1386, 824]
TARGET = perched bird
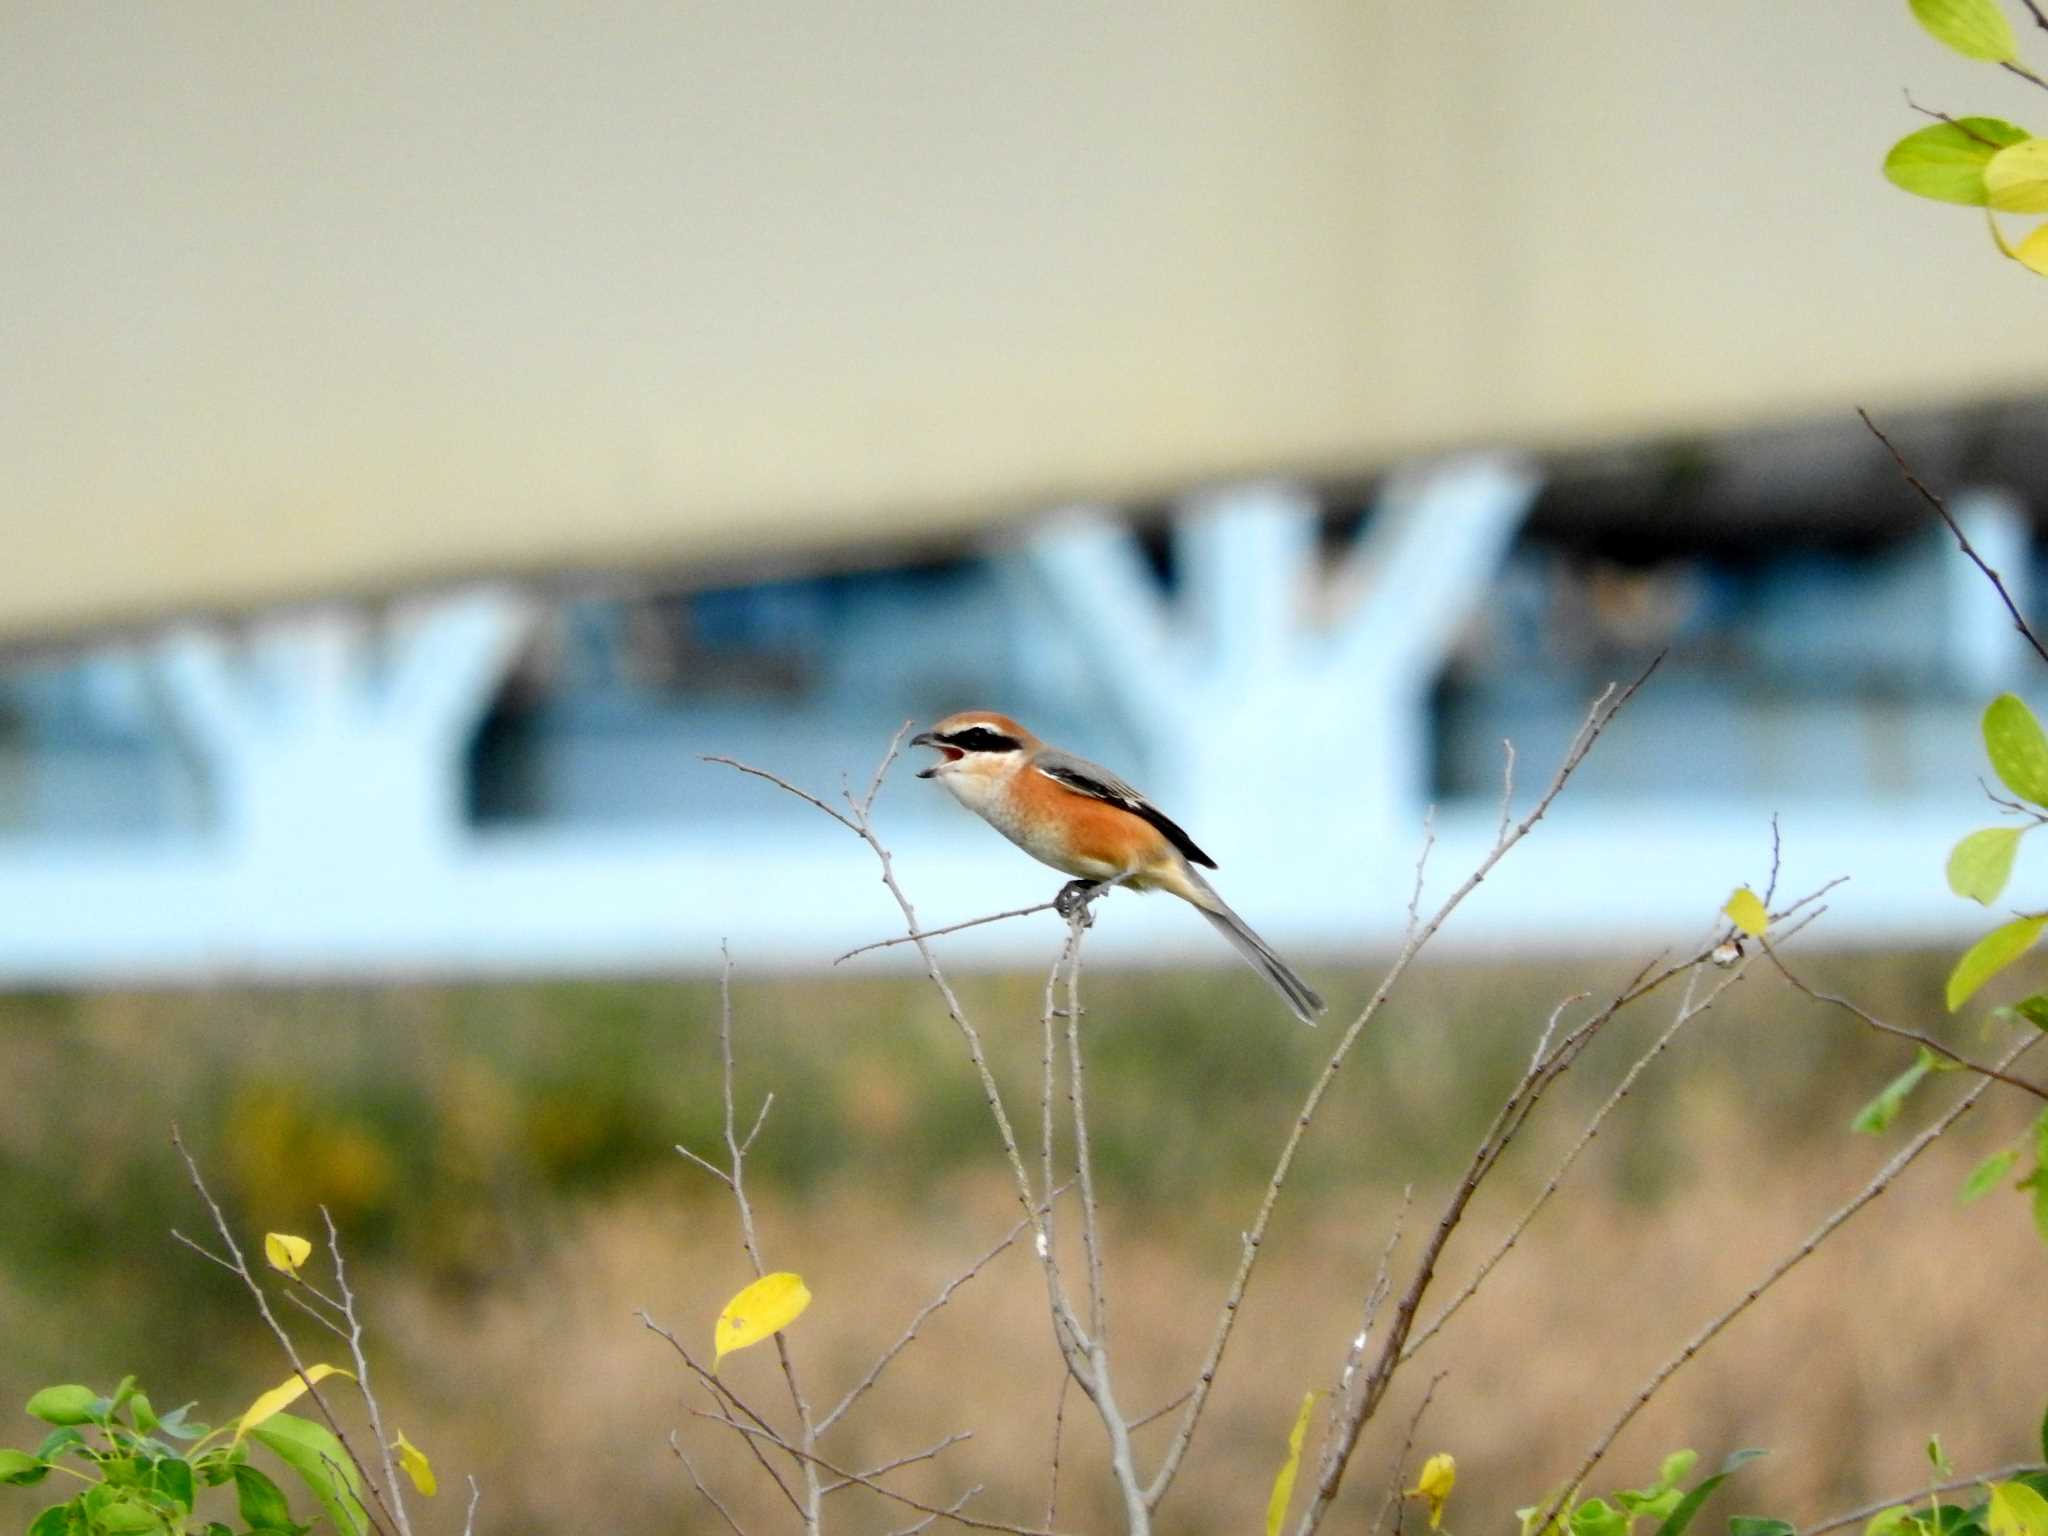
[1085, 821]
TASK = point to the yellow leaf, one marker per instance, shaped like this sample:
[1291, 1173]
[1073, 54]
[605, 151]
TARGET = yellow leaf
[1745, 909]
[2016, 178]
[1440, 1474]
[286, 1252]
[282, 1396]
[2032, 252]
[1283, 1480]
[767, 1306]
[2016, 1510]
[416, 1465]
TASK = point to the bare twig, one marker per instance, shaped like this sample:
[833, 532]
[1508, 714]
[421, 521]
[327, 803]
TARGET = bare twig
[908, 1460]
[933, 933]
[347, 1305]
[804, 795]
[1603, 710]
[675, 1444]
[1393, 1499]
[1375, 1298]
[939, 1514]
[395, 1520]
[2034, 10]
[1962, 539]
[476, 1497]
[1161, 1411]
[1820, 1234]
[945, 1295]
[1421, 868]
[1858, 1516]
[1686, 1012]
[1123, 1464]
[1059, 1423]
[834, 1470]
[1068, 1332]
[1507, 787]
[1925, 1042]
[720, 1392]
[1358, 1407]
[737, 1152]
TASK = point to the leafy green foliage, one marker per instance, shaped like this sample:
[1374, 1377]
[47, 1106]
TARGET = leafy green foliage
[1980, 865]
[1991, 954]
[2017, 747]
[145, 1473]
[1976, 29]
[1947, 161]
[1667, 1501]
[1876, 1117]
[1983, 162]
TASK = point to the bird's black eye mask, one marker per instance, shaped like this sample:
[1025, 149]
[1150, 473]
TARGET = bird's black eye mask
[957, 744]
[977, 738]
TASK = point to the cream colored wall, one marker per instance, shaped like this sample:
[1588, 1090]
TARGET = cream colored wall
[304, 297]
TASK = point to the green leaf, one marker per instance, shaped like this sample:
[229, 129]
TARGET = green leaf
[1676, 1468]
[2034, 1010]
[173, 1478]
[21, 1469]
[145, 1416]
[1990, 955]
[58, 1441]
[125, 1516]
[2044, 1435]
[174, 1425]
[1596, 1517]
[1987, 1176]
[1758, 1525]
[311, 1450]
[64, 1405]
[1682, 1516]
[260, 1500]
[2014, 1509]
[1946, 161]
[1976, 29]
[1876, 1117]
[1980, 865]
[1891, 1522]
[2017, 747]
[56, 1521]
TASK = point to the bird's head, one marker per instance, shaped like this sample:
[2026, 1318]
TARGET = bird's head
[975, 741]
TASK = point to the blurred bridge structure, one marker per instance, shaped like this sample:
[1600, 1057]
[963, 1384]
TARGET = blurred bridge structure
[430, 433]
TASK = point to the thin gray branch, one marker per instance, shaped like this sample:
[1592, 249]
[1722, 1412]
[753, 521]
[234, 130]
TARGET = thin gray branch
[933, 933]
[945, 1295]
[1393, 1499]
[1598, 717]
[1926, 1042]
[241, 1268]
[675, 1444]
[1962, 539]
[1858, 1516]
[1820, 1234]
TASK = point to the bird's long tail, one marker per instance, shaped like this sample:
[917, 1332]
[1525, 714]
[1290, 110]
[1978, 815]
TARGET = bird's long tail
[1301, 997]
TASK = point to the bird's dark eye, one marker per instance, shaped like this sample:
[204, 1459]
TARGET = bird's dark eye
[979, 738]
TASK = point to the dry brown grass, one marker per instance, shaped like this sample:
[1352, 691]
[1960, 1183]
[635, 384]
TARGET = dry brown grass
[1919, 1318]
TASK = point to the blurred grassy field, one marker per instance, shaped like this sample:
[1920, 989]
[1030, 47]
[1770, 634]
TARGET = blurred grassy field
[500, 1161]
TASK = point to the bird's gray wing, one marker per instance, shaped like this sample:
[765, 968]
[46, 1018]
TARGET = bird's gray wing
[1078, 774]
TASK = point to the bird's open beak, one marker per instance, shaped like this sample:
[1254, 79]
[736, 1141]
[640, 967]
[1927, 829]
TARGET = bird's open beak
[926, 739]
